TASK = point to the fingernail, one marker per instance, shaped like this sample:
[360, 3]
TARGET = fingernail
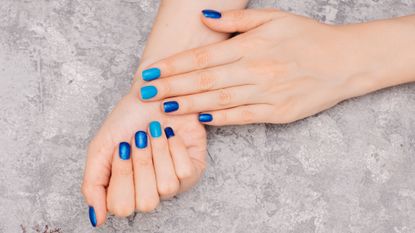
[92, 216]
[211, 14]
[205, 117]
[170, 106]
[148, 92]
[141, 139]
[124, 151]
[151, 74]
[155, 129]
[169, 132]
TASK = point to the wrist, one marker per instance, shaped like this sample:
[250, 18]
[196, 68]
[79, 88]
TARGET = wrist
[383, 54]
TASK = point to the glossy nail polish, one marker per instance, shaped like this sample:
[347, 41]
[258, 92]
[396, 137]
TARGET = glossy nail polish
[205, 117]
[124, 151]
[141, 139]
[92, 216]
[211, 14]
[169, 132]
[155, 129]
[148, 92]
[151, 74]
[170, 106]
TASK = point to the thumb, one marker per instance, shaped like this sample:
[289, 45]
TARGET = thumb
[239, 20]
[96, 178]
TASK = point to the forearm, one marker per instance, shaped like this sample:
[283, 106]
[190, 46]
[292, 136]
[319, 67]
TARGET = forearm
[388, 48]
[178, 28]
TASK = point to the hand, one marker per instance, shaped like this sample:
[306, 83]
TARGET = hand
[103, 162]
[282, 68]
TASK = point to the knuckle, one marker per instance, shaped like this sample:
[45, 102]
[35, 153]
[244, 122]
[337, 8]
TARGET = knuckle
[123, 172]
[185, 173]
[168, 189]
[86, 189]
[206, 80]
[237, 15]
[143, 160]
[224, 97]
[120, 210]
[201, 57]
[247, 116]
[147, 205]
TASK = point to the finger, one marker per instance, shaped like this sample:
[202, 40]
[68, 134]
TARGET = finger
[201, 81]
[167, 183]
[185, 170]
[195, 59]
[239, 20]
[213, 100]
[146, 195]
[120, 199]
[96, 178]
[242, 115]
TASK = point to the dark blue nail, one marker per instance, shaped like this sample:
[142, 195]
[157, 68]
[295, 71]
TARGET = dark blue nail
[155, 129]
[151, 74]
[141, 139]
[148, 92]
[205, 117]
[169, 132]
[170, 106]
[92, 216]
[211, 14]
[124, 151]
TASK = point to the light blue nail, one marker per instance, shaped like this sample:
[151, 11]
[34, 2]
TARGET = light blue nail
[155, 129]
[151, 74]
[148, 92]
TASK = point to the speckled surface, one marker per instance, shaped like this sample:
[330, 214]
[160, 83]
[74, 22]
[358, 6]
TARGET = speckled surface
[65, 63]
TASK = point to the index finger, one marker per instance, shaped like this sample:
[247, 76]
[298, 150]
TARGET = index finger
[194, 59]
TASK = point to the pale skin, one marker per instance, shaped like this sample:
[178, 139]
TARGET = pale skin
[284, 67]
[166, 167]
[280, 69]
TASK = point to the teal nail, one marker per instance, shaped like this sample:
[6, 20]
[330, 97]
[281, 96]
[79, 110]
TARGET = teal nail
[155, 129]
[148, 92]
[151, 74]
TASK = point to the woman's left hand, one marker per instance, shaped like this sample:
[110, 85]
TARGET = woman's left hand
[281, 68]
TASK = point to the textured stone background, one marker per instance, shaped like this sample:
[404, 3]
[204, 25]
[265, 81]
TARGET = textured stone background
[65, 63]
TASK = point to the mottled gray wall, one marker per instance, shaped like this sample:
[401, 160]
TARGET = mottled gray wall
[65, 63]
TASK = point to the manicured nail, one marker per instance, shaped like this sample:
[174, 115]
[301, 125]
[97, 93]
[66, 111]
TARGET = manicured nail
[92, 216]
[151, 74]
[124, 151]
[205, 117]
[170, 106]
[141, 139]
[148, 92]
[155, 129]
[211, 14]
[169, 132]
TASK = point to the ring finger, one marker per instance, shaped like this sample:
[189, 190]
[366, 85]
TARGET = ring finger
[167, 182]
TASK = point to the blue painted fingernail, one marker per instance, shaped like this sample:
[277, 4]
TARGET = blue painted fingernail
[124, 151]
[151, 74]
[155, 129]
[211, 14]
[169, 132]
[205, 117]
[148, 92]
[170, 106]
[92, 216]
[141, 139]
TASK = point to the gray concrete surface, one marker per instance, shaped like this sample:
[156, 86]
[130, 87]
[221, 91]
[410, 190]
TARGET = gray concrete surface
[65, 63]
